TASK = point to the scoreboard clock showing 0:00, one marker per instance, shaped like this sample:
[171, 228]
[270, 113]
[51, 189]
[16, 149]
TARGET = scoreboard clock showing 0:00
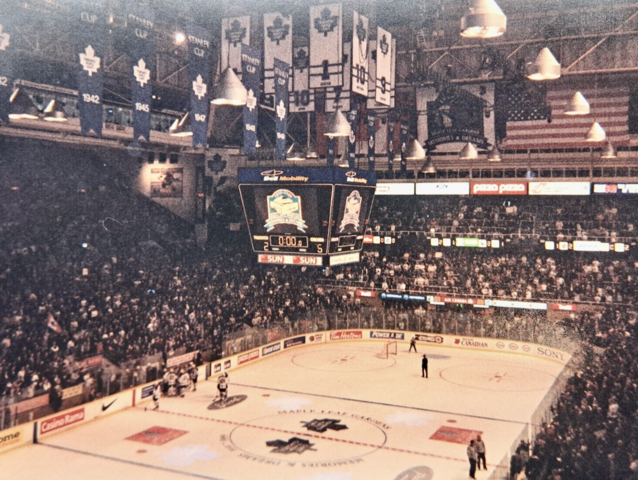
[315, 211]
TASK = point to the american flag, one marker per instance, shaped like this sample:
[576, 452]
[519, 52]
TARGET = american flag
[529, 129]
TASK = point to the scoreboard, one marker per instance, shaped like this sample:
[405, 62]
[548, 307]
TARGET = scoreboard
[306, 215]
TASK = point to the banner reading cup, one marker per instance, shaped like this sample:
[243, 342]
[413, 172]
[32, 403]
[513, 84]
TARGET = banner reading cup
[199, 56]
[326, 46]
[89, 42]
[282, 76]
[139, 23]
[251, 71]
[277, 44]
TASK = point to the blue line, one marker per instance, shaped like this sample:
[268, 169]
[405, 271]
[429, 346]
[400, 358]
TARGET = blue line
[515, 422]
[131, 462]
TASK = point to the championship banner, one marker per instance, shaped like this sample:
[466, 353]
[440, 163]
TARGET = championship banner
[404, 145]
[330, 151]
[141, 40]
[326, 46]
[302, 98]
[89, 42]
[339, 97]
[391, 127]
[360, 34]
[277, 44]
[372, 104]
[352, 117]
[7, 27]
[385, 68]
[251, 72]
[199, 56]
[235, 31]
[282, 77]
[372, 130]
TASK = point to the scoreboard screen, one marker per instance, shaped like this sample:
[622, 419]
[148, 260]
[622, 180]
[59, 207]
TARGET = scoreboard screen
[309, 211]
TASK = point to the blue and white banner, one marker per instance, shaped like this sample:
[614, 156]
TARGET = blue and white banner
[7, 29]
[372, 75]
[277, 44]
[282, 77]
[339, 97]
[89, 43]
[360, 60]
[199, 67]
[302, 98]
[235, 31]
[404, 146]
[353, 117]
[385, 67]
[326, 46]
[391, 126]
[140, 22]
[251, 77]
[372, 131]
[330, 151]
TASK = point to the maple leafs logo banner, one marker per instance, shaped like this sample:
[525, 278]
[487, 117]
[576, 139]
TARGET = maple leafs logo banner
[8, 21]
[326, 46]
[235, 32]
[282, 75]
[139, 23]
[277, 44]
[199, 69]
[251, 78]
[89, 43]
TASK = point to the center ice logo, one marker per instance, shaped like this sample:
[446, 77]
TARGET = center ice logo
[284, 208]
[294, 445]
[324, 424]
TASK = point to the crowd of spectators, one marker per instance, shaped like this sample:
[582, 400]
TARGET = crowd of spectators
[90, 267]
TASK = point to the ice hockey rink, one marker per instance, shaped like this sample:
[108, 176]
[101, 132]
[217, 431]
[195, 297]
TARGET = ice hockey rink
[332, 411]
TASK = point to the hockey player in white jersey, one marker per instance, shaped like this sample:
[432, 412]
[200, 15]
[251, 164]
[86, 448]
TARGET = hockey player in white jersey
[222, 386]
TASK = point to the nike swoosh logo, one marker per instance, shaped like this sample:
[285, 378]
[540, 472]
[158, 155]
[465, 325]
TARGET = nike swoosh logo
[106, 407]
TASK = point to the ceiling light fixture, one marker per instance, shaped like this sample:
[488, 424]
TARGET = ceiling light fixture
[483, 19]
[596, 133]
[337, 125]
[545, 67]
[577, 105]
[230, 90]
[469, 152]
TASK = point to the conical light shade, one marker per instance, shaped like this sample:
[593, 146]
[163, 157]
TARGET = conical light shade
[545, 67]
[312, 153]
[22, 107]
[54, 112]
[428, 167]
[181, 127]
[468, 152]
[608, 151]
[295, 153]
[577, 105]
[494, 155]
[230, 90]
[484, 19]
[337, 125]
[595, 133]
[414, 151]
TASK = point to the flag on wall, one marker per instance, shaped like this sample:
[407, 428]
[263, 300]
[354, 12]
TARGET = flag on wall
[282, 77]
[139, 25]
[359, 70]
[277, 44]
[326, 46]
[199, 69]
[528, 127]
[235, 31]
[302, 98]
[251, 78]
[89, 42]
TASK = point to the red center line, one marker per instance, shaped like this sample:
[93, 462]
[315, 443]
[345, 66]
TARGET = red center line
[311, 435]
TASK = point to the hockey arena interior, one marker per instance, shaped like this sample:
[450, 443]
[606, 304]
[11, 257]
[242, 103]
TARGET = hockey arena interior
[311, 240]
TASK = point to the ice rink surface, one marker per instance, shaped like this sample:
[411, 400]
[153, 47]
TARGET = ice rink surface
[321, 412]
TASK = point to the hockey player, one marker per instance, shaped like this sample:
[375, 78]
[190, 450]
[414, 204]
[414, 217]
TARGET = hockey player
[222, 386]
[183, 383]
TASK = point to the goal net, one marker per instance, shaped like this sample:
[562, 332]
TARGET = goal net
[389, 348]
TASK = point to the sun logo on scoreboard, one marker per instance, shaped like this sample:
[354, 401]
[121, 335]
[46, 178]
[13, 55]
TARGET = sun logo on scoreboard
[352, 211]
[284, 208]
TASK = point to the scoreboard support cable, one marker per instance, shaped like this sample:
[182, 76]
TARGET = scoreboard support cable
[306, 212]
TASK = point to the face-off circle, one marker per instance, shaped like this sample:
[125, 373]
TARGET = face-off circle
[338, 360]
[501, 378]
